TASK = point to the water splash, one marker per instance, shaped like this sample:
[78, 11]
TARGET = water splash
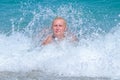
[95, 55]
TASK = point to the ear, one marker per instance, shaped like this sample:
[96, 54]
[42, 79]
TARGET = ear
[66, 28]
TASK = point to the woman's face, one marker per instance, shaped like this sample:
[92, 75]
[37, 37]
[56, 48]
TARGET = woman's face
[59, 27]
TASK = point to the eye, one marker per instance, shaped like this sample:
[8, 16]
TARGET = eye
[55, 25]
[60, 25]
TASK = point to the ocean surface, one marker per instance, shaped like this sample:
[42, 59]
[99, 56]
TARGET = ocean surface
[24, 24]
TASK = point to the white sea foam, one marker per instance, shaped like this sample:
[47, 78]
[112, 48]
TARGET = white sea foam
[97, 57]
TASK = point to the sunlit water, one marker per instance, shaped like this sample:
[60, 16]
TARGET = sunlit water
[24, 24]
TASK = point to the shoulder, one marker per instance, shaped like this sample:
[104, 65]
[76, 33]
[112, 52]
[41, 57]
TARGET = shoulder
[47, 40]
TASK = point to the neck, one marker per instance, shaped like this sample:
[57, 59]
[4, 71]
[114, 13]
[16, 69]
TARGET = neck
[59, 37]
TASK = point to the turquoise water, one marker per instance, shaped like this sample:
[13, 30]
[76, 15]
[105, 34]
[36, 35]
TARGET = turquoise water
[96, 23]
[99, 13]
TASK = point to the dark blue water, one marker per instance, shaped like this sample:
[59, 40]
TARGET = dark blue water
[96, 23]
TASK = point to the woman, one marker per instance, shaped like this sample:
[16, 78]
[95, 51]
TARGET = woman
[59, 28]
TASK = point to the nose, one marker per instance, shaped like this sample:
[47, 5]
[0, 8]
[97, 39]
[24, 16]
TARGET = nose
[57, 28]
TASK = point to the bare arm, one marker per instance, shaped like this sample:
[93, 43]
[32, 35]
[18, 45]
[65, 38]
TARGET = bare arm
[47, 40]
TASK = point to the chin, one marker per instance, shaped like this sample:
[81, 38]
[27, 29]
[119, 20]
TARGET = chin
[58, 33]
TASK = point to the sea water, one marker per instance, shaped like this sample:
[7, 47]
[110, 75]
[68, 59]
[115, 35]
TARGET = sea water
[24, 24]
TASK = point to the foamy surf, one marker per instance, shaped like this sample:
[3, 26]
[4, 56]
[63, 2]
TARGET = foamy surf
[90, 59]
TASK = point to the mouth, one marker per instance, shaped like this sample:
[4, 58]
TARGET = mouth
[57, 31]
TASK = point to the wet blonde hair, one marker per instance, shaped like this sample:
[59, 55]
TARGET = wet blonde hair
[61, 19]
